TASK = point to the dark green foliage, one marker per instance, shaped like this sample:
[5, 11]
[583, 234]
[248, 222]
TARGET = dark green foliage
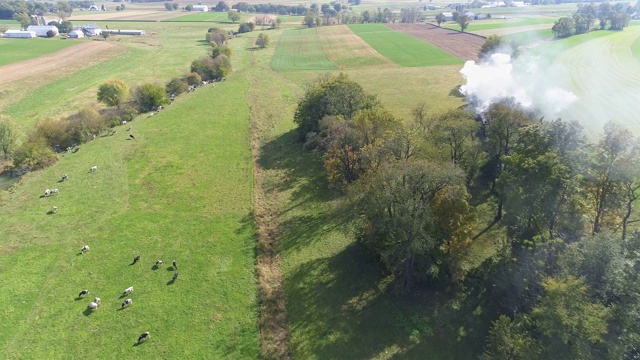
[210, 69]
[330, 96]
[188, 7]
[221, 6]
[220, 50]
[148, 97]
[177, 86]
[193, 79]
[494, 44]
[246, 27]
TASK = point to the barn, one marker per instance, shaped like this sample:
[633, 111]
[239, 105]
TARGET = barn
[200, 8]
[19, 34]
[43, 30]
[89, 30]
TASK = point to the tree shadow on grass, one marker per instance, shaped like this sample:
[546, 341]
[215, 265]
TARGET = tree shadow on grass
[344, 307]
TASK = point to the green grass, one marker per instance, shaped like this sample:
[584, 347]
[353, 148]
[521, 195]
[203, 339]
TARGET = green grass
[180, 43]
[14, 50]
[476, 25]
[182, 190]
[207, 16]
[528, 37]
[300, 50]
[635, 48]
[402, 49]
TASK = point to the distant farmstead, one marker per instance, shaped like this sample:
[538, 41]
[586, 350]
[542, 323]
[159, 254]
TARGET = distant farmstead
[19, 34]
[44, 30]
[76, 34]
[89, 30]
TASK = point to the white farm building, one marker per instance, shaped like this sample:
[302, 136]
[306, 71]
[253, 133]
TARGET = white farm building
[76, 34]
[43, 30]
[200, 8]
[19, 34]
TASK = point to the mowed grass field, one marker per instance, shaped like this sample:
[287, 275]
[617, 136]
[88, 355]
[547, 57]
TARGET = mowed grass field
[14, 50]
[402, 49]
[300, 49]
[347, 50]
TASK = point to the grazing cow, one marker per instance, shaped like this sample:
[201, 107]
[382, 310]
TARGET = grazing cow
[47, 192]
[83, 293]
[128, 290]
[65, 177]
[131, 136]
[93, 168]
[126, 303]
[175, 264]
[54, 209]
[159, 263]
[124, 122]
[94, 136]
[96, 300]
[130, 127]
[84, 249]
[144, 336]
[150, 115]
[93, 305]
[175, 276]
[55, 191]
[135, 259]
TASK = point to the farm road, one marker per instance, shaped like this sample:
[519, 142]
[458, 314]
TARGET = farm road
[463, 45]
[73, 56]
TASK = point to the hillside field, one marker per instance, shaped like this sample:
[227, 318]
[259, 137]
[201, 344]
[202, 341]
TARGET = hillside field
[197, 176]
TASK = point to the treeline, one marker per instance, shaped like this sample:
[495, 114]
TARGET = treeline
[616, 16]
[42, 145]
[564, 284]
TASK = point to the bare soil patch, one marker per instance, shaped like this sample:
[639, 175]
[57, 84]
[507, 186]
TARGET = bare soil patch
[72, 57]
[463, 45]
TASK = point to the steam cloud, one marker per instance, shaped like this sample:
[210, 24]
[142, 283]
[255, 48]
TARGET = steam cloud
[500, 77]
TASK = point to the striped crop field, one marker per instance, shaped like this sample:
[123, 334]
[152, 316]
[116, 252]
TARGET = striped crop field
[347, 50]
[402, 49]
[301, 50]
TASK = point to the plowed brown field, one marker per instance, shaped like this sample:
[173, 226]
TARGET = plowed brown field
[463, 45]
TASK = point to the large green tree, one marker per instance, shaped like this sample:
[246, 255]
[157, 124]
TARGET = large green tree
[463, 21]
[494, 44]
[234, 16]
[113, 92]
[149, 96]
[330, 96]
[400, 217]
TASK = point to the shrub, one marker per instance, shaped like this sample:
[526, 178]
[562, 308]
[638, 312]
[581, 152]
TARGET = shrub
[82, 125]
[148, 97]
[209, 68]
[188, 7]
[263, 40]
[221, 50]
[246, 27]
[217, 35]
[34, 155]
[176, 86]
[51, 33]
[193, 79]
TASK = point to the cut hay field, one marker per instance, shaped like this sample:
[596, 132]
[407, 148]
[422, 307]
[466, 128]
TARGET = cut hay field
[347, 50]
[14, 50]
[182, 190]
[402, 49]
[300, 49]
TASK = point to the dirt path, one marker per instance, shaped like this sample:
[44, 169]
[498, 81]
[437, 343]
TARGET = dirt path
[67, 58]
[463, 45]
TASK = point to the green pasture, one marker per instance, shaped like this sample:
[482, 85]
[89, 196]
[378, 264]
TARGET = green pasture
[207, 16]
[635, 48]
[167, 50]
[476, 25]
[402, 49]
[182, 190]
[14, 50]
[300, 50]
[528, 37]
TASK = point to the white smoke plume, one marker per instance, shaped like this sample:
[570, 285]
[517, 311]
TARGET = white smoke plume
[500, 77]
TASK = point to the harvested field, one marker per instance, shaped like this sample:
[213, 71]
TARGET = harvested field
[71, 57]
[463, 45]
[348, 50]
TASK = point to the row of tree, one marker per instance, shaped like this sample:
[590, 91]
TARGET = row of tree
[564, 285]
[615, 16]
